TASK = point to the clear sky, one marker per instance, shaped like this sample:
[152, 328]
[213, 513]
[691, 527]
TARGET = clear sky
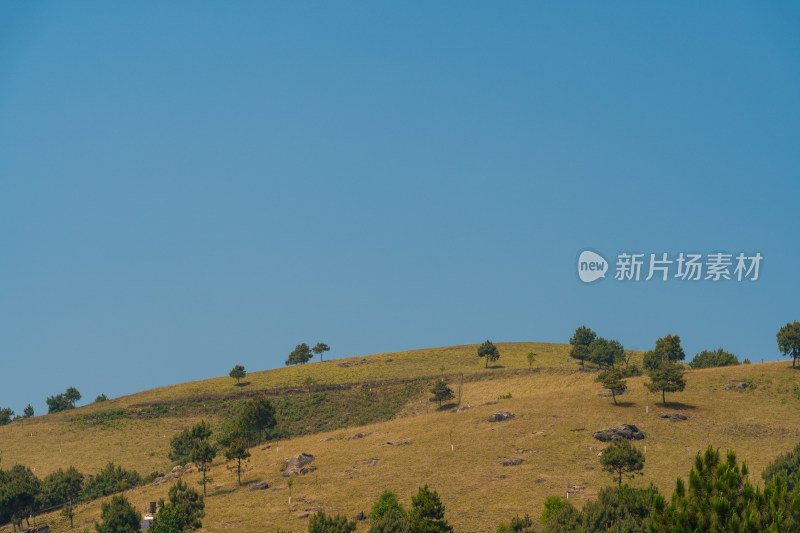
[186, 186]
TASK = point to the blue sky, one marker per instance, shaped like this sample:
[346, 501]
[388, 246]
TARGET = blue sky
[189, 186]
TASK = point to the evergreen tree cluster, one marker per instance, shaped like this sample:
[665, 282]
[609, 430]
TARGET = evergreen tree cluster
[718, 498]
[709, 359]
[302, 353]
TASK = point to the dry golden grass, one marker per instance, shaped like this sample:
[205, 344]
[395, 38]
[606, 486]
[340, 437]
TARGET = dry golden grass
[49, 442]
[557, 410]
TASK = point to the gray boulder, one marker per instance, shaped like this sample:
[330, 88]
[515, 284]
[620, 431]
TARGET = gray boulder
[501, 416]
[625, 431]
[673, 417]
[298, 465]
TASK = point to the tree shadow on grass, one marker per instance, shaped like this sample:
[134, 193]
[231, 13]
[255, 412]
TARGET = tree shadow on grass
[223, 490]
[447, 406]
[243, 384]
[623, 404]
[678, 406]
[496, 366]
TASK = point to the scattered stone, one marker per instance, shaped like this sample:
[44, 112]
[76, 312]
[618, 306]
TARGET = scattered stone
[177, 471]
[360, 516]
[398, 443]
[259, 486]
[524, 451]
[217, 487]
[162, 479]
[305, 515]
[501, 416]
[739, 386]
[625, 431]
[190, 466]
[388, 361]
[674, 417]
[511, 462]
[490, 403]
[462, 408]
[360, 435]
[265, 448]
[298, 465]
[607, 393]
[371, 461]
[539, 434]
[578, 429]
[327, 439]
[539, 480]
[575, 489]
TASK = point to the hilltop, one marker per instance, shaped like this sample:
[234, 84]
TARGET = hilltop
[384, 397]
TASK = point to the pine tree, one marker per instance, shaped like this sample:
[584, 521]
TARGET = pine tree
[489, 351]
[622, 458]
[203, 455]
[301, 354]
[441, 392]
[427, 513]
[183, 512]
[237, 451]
[321, 348]
[237, 373]
[321, 523]
[668, 377]
[118, 516]
[612, 380]
[580, 342]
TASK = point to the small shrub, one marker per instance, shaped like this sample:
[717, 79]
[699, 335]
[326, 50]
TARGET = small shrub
[321, 523]
[110, 480]
[710, 359]
[517, 525]
[785, 465]
[387, 500]
[552, 506]
[631, 371]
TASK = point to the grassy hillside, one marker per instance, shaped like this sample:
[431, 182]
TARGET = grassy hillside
[557, 409]
[139, 437]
